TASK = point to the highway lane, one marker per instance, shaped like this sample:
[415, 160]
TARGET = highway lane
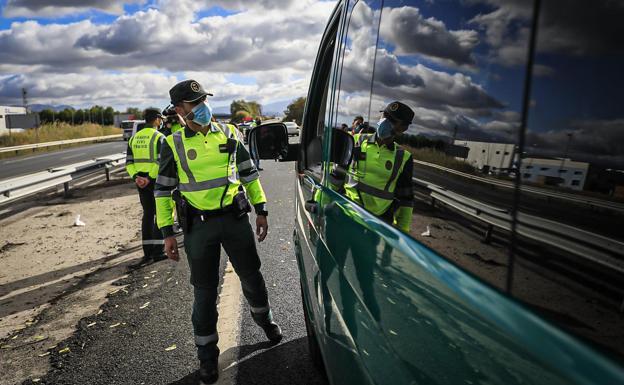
[127, 344]
[24, 165]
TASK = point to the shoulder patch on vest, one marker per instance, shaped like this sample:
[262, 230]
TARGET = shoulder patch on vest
[388, 165]
[191, 154]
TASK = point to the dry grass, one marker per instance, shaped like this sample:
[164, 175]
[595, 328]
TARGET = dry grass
[53, 132]
[57, 131]
[432, 155]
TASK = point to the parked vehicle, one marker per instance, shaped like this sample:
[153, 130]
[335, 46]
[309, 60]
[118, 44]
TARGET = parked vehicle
[130, 128]
[292, 128]
[509, 283]
[244, 129]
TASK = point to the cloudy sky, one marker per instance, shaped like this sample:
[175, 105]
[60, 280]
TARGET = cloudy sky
[130, 52]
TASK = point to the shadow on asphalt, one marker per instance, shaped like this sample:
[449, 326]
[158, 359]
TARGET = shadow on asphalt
[276, 364]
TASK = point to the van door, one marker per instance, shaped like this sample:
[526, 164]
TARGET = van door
[347, 255]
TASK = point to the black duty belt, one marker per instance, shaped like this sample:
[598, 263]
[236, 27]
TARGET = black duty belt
[202, 215]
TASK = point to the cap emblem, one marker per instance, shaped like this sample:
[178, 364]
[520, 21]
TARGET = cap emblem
[394, 106]
[195, 87]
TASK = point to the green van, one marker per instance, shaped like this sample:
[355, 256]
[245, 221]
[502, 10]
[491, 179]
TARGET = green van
[513, 270]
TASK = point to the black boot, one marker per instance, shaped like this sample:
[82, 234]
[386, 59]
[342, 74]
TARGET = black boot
[271, 329]
[142, 262]
[209, 371]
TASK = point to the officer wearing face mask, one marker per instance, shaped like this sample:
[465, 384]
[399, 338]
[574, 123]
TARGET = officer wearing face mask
[379, 177]
[208, 165]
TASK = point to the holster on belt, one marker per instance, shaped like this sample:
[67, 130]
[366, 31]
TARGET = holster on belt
[183, 211]
[240, 204]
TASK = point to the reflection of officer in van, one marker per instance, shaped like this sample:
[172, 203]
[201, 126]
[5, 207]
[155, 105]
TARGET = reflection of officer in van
[380, 175]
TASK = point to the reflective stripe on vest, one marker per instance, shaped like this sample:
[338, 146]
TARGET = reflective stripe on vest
[179, 147]
[371, 181]
[152, 158]
[233, 176]
[192, 185]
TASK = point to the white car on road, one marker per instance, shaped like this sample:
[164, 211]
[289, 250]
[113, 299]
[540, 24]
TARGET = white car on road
[293, 128]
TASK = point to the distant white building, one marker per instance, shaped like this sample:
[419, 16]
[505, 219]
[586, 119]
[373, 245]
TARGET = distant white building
[555, 172]
[488, 157]
[8, 110]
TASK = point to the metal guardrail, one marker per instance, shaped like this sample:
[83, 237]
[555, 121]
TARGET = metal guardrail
[534, 190]
[59, 143]
[15, 188]
[592, 247]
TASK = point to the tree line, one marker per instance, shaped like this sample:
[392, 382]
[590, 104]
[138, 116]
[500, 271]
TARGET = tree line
[240, 110]
[96, 114]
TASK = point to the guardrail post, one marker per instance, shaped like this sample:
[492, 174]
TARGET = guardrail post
[487, 238]
[433, 201]
[107, 170]
[66, 190]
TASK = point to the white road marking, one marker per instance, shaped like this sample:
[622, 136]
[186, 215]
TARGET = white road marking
[229, 326]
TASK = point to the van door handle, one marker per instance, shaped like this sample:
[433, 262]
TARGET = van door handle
[311, 206]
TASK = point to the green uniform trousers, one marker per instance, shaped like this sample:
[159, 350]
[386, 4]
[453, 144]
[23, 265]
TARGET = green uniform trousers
[203, 249]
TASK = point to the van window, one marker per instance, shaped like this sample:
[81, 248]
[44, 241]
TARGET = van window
[358, 62]
[572, 270]
[318, 108]
[463, 77]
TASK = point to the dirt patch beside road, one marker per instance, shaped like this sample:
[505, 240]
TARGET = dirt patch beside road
[55, 273]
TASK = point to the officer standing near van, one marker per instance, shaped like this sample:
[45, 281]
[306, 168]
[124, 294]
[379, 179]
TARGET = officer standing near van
[209, 166]
[380, 175]
[142, 166]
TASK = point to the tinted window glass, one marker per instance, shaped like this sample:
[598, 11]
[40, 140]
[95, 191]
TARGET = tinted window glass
[358, 61]
[461, 68]
[312, 133]
[570, 258]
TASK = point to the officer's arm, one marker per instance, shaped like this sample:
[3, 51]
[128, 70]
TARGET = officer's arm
[250, 178]
[167, 180]
[405, 194]
[130, 167]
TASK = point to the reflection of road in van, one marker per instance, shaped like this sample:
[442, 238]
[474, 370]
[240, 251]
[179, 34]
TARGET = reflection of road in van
[504, 278]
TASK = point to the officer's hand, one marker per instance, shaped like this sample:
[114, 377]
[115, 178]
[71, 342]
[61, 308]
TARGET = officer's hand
[262, 227]
[141, 181]
[171, 248]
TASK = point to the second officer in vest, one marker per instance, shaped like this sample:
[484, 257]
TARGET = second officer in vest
[142, 166]
[209, 167]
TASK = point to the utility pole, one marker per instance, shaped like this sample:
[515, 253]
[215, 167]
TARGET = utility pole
[454, 134]
[25, 99]
[102, 115]
[565, 152]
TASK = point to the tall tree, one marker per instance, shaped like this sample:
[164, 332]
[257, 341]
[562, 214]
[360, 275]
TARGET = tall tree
[251, 108]
[294, 111]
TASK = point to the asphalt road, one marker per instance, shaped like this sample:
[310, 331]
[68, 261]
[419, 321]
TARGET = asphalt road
[23, 165]
[127, 344]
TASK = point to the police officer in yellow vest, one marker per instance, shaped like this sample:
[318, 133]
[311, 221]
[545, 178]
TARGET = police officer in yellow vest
[380, 175]
[209, 166]
[142, 158]
[172, 121]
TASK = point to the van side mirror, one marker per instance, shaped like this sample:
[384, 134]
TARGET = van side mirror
[270, 141]
[341, 148]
